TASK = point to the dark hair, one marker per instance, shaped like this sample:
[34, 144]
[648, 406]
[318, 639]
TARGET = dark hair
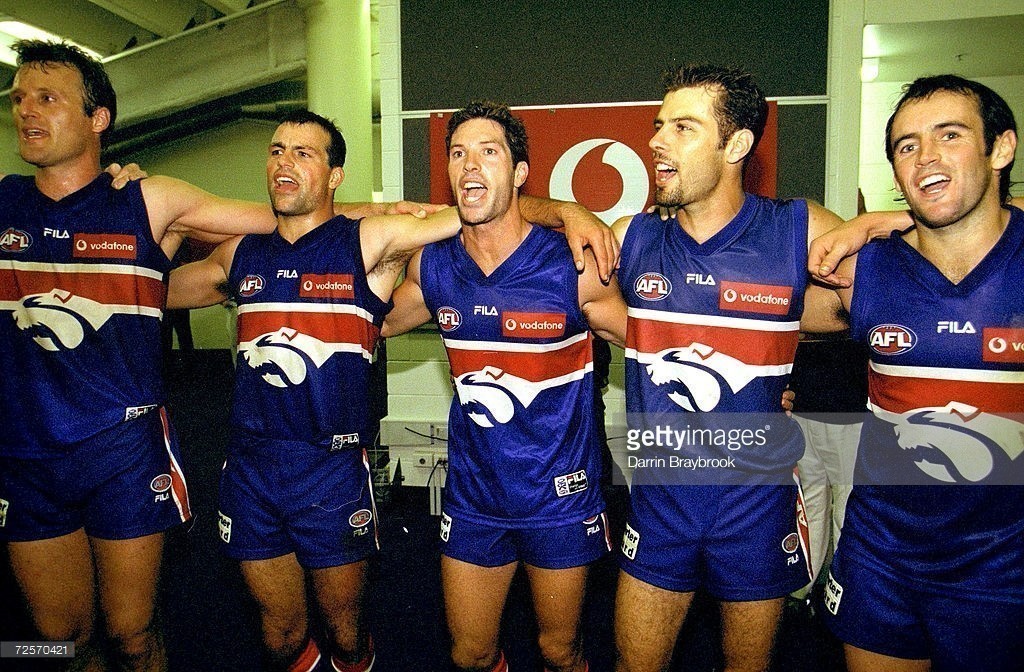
[336, 142]
[97, 90]
[740, 104]
[515, 131]
[996, 116]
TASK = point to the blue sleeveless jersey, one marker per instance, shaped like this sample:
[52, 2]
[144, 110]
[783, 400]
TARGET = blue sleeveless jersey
[82, 292]
[939, 484]
[521, 443]
[307, 327]
[714, 327]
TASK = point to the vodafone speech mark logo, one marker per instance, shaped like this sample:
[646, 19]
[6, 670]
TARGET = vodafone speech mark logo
[631, 169]
[105, 246]
[754, 298]
[532, 325]
[448, 319]
[1002, 345]
[891, 339]
[328, 286]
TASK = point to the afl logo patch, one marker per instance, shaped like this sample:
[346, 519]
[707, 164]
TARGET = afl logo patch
[448, 319]
[791, 543]
[360, 518]
[161, 483]
[15, 240]
[652, 286]
[250, 285]
[891, 339]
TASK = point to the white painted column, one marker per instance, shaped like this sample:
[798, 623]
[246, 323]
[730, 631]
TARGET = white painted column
[842, 147]
[338, 82]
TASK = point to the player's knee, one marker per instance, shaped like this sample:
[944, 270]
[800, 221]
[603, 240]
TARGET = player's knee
[559, 653]
[134, 646]
[285, 642]
[474, 655]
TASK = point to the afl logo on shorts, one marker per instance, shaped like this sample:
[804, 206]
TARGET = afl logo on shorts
[360, 518]
[448, 319]
[891, 339]
[251, 284]
[791, 543]
[15, 240]
[161, 483]
[652, 286]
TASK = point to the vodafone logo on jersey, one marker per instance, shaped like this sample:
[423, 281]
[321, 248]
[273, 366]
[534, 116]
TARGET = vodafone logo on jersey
[754, 298]
[327, 286]
[532, 325]
[1002, 345]
[448, 319]
[891, 339]
[597, 156]
[104, 246]
[652, 286]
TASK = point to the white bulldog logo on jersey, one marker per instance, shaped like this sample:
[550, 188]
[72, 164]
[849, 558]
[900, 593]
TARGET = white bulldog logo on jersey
[488, 394]
[279, 355]
[694, 375]
[57, 319]
[956, 441]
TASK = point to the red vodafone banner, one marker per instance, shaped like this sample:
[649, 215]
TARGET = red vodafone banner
[597, 156]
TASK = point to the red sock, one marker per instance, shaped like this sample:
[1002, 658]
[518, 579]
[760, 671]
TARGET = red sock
[307, 660]
[364, 665]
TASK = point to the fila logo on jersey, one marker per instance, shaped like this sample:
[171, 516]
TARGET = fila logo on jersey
[700, 279]
[448, 319]
[15, 240]
[652, 286]
[570, 484]
[55, 233]
[754, 298]
[251, 284]
[104, 246]
[327, 286]
[891, 339]
[955, 328]
[287, 273]
[1002, 345]
[485, 310]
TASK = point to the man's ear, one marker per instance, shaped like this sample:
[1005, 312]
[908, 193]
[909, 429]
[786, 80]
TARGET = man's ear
[100, 120]
[521, 171]
[336, 178]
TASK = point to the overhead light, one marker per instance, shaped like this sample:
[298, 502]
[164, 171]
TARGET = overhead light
[12, 31]
[868, 69]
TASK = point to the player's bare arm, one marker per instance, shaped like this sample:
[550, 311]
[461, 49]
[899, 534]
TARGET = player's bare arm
[823, 311]
[602, 305]
[410, 309]
[828, 249]
[582, 229]
[202, 283]
[388, 242]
